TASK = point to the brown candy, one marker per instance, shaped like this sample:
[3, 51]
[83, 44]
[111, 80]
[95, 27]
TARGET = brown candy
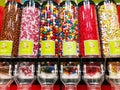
[11, 26]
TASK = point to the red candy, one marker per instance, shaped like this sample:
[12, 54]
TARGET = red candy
[118, 7]
[88, 29]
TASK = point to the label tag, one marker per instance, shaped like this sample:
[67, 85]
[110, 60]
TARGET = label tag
[26, 47]
[114, 47]
[48, 47]
[91, 47]
[69, 48]
[6, 48]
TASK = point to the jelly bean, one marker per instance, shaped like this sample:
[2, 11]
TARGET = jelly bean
[68, 28]
[49, 29]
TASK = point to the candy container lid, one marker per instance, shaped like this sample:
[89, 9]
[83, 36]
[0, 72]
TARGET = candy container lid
[31, 3]
[85, 2]
[18, 5]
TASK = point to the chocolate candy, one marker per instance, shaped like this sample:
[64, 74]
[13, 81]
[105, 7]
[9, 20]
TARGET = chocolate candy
[29, 34]
[68, 44]
[9, 37]
[110, 32]
[49, 29]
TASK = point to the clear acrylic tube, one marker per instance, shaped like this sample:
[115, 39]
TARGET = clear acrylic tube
[70, 87]
[47, 87]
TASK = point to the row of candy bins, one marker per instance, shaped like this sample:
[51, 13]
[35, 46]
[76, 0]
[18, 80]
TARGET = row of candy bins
[49, 29]
[9, 36]
[118, 8]
[69, 42]
[89, 35]
[109, 28]
[5, 75]
[114, 74]
[29, 30]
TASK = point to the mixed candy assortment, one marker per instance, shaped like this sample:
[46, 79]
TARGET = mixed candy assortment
[68, 43]
[114, 69]
[50, 30]
[109, 27]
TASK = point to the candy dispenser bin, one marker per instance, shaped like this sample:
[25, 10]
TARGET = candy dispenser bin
[49, 30]
[93, 74]
[68, 31]
[29, 32]
[70, 75]
[109, 28]
[24, 75]
[88, 29]
[114, 74]
[5, 75]
[47, 75]
[9, 37]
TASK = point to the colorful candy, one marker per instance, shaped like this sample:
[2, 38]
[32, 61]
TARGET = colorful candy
[26, 69]
[68, 44]
[110, 32]
[9, 37]
[49, 29]
[70, 68]
[29, 34]
[88, 27]
[114, 69]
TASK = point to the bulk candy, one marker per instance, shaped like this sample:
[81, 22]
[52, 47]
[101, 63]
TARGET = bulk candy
[9, 37]
[109, 25]
[70, 68]
[49, 29]
[26, 69]
[68, 43]
[29, 34]
[92, 70]
[89, 36]
[114, 69]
